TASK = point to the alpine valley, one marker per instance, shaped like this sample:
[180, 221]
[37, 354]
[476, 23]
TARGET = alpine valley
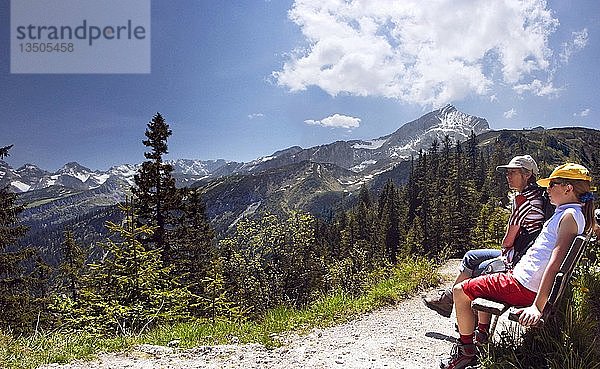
[319, 179]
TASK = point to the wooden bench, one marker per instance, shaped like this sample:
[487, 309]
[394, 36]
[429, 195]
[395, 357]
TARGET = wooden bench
[559, 286]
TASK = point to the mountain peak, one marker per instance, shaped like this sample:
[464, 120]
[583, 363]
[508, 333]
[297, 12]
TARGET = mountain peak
[377, 155]
[450, 117]
[73, 166]
[28, 166]
[449, 108]
[75, 170]
[30, 170]
[447, 120]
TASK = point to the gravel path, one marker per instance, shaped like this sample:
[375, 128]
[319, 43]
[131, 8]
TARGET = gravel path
[407, 335]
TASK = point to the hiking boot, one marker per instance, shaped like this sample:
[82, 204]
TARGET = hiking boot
[462, 356]
[481, 337]
[442, 303]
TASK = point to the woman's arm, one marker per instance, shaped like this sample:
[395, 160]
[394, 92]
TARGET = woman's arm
[567, 231]
[511, 234]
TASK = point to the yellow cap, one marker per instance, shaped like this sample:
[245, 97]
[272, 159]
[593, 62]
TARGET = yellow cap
[567, 171]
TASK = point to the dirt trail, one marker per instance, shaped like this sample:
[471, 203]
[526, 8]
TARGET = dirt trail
[407, 335]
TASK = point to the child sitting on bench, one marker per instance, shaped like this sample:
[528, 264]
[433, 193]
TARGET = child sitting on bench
[530, 282]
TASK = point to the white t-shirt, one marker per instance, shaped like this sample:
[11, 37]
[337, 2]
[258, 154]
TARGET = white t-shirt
[530, 269]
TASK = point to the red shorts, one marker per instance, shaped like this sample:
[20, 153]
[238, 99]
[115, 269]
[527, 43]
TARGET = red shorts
[501, 287]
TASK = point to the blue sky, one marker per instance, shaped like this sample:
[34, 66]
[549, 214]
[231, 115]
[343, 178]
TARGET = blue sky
[239, 80]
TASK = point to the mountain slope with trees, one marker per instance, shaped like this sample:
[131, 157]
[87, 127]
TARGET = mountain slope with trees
[162, 263]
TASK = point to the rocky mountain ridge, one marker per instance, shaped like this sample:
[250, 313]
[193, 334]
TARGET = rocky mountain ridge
[367, 157]
[29, 177]
[377, 155]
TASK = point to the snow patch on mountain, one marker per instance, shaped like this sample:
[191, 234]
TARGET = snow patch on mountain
[362, 166]
[370, 145]
[266, 158]
[124, 171]
[255, 163]
[20, 186]
[102, 177]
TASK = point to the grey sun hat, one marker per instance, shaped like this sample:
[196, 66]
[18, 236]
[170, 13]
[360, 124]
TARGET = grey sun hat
[521, 161]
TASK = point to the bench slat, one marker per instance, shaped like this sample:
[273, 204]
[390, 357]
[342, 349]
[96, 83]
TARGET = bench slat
[489, 306]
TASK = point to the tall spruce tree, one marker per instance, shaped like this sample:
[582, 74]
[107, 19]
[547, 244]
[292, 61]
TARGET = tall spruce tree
[432, 200]
[412, 192]
[445, 201]
[71, 267]
[465, 197]
[369, 226]
[423, 210]
[18, 313]
[157, 198]
[389, 216]
[65, 299]
[193, 251]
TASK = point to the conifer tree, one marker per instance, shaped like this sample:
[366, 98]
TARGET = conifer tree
[474, 165]
[466, 198]
[215, 301]
[423, 208]
[155, 191]
[451, 218]
[445, 201]
[359, 248]
[348, 228]
[415, 238]
[18, 313]
[4, 151]
[369, 229]
[413, 190]
[192, 249]
[389, 215]
[129, 289]
[71, 267]
[364, 197]
[38, 290]
[432, 200]
[495, 185]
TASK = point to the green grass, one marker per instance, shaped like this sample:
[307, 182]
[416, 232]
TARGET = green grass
[405, 280]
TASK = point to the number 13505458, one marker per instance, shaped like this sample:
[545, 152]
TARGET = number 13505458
[47, 47]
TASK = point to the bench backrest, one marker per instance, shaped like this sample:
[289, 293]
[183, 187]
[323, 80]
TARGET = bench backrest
[561, 281]
[566, 270]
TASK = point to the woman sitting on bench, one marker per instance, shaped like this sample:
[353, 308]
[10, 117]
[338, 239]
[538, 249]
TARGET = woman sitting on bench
[530, 282]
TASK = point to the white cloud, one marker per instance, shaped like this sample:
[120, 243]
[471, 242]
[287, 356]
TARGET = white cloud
[336, 121]
[538, 88]
[578, 42]
[423, 52]
[255, 115]
[583, 113]
[493, 98]
[510, 114]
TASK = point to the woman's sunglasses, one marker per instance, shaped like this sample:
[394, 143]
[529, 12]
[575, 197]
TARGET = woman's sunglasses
[555, 182]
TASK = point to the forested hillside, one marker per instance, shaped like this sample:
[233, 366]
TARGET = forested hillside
[164, 263]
